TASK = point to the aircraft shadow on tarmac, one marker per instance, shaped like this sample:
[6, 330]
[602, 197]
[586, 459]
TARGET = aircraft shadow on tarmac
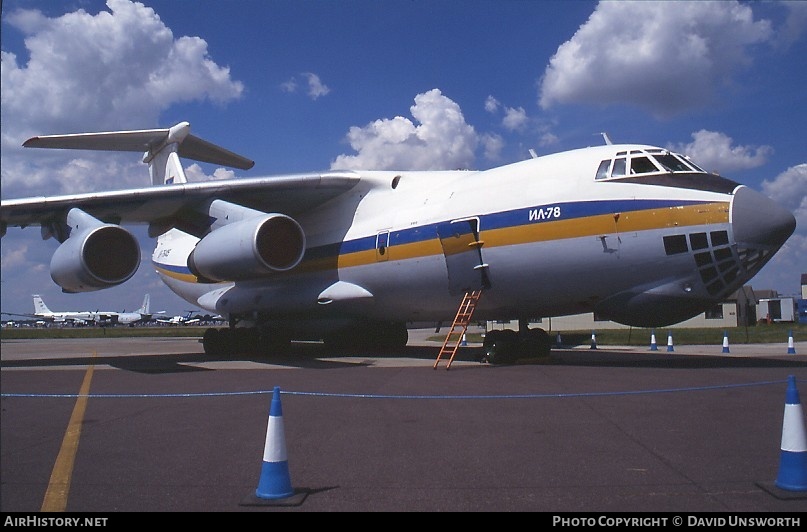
[316, 356]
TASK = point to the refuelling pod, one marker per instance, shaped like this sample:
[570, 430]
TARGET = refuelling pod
[253, 247]
[95, 257]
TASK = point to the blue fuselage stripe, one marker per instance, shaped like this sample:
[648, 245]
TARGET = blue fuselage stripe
[512, 219]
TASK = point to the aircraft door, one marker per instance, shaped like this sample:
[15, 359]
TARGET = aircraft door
[382, 246]
[462, 249]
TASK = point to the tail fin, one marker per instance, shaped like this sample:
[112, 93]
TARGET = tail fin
[144, 309]
[165, 167]
[39, 306]
[162, 147]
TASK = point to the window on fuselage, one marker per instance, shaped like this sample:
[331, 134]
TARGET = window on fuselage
[675, 244]
[673, 163]
[642, 165]
[619, 167]
[650, 161]
[602, 171]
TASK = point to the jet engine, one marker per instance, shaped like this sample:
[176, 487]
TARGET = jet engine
[248, 248]
[95, 256]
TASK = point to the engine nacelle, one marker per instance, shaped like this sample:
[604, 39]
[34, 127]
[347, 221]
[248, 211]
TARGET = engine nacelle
[94, 258]
[242, 250]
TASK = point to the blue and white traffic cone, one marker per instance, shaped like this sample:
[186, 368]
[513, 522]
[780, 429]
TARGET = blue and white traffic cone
[558, 341]
[593, 340]
[791, 350]
[275, 481]
[464, 342]
[793, 459]
[653, 345]
[725, 342]
[670, 347]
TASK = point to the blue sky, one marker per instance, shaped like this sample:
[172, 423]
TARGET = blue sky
[395, 84]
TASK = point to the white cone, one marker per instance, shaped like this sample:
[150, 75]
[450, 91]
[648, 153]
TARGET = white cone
[275, 482]
[793, 459]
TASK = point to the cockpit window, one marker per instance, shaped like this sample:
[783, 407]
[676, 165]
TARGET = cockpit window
[619, 167]
[602, 171]
[673, 163]
[693, 165]
[642, 165]
[650, 161]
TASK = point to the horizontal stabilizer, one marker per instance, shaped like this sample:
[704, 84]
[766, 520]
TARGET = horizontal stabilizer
[145, 140]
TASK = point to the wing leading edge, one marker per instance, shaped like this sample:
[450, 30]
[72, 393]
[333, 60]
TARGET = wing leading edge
[291, 194]
[159, 204]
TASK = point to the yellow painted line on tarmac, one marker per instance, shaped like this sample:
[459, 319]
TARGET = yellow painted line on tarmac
[62, 474]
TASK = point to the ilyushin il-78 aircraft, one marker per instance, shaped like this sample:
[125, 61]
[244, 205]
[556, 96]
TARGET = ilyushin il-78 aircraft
[634, 233]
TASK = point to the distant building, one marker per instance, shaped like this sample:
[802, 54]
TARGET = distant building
[802, 303]
[778, 309]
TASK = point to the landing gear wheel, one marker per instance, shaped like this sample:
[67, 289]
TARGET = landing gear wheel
[369, 337]
[536, 344]
[212, 342]
[500, 347]
[271, 340]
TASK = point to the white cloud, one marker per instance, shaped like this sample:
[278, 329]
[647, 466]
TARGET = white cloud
[441, 140]
[713, 151]
[13, 258]
[289, 86]
[515, 119]
[547, 139]
[789, 189]
[493, 145]
[194, 172]
[113, 70]
[663, 56]
[315, 86]
[796, 24]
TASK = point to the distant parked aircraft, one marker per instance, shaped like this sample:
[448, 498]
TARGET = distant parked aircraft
[42, 312]
[83, 317]
[130, 318]
[185, 319]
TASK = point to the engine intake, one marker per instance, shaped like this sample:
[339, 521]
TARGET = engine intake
[94, 258]
[242, 250]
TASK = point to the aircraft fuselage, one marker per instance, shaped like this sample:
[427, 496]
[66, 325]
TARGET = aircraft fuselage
[541, 237]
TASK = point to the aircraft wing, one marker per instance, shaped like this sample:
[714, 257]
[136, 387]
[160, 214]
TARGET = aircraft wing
[192, 147]
[289, 194]
[29, 316]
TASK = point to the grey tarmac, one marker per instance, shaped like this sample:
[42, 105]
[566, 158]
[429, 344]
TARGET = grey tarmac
[163, 427]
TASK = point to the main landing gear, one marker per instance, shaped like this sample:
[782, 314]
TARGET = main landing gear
[365, 336]
[244, 340]
[506, 346]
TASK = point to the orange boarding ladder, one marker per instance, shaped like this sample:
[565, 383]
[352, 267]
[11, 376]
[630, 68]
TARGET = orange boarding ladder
[454, 337]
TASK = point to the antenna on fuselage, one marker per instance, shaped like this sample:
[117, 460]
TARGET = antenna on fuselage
[605, 138]
[533, 154]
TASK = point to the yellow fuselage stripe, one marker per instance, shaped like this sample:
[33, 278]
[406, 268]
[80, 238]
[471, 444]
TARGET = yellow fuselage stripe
[596, 225]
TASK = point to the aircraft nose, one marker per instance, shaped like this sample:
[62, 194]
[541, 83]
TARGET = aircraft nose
[759, 222]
